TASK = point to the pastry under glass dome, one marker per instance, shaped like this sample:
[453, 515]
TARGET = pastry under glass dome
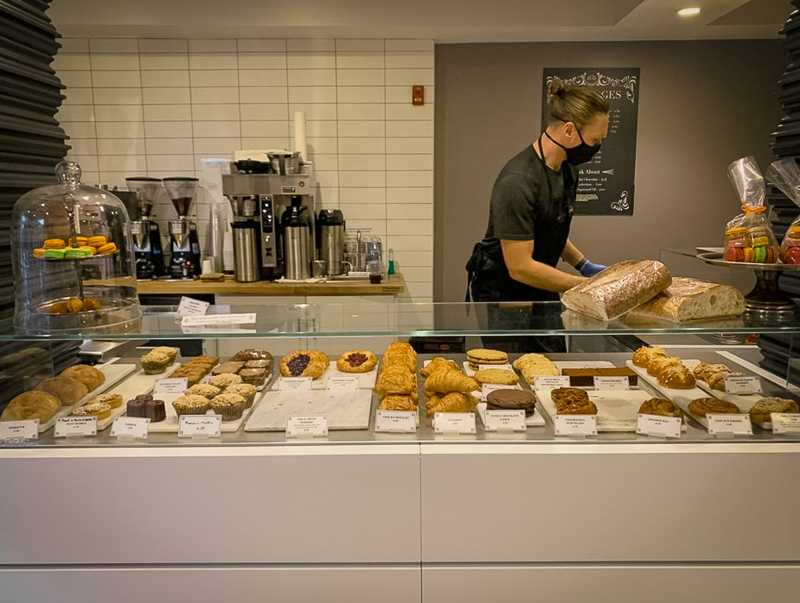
[73, 261]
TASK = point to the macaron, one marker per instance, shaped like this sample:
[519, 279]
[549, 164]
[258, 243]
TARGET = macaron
[734, 254]
[96, 241]
[106, 249]
[759, 254]
[54, 244]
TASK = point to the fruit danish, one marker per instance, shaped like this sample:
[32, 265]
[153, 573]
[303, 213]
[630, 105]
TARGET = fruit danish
[357, 361]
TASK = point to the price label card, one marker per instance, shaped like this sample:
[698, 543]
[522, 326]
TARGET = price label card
[195, 320]
[507, 367]
[504, 420]
[782, 423]
[130, 427]
[177, 385]
[343, 383]
[488, 388]
[454, 423]
[76, 426]
[660, 427]
[200, 426]
[742, 385]
[611, 383]
[307, 427]
[396, 421]
[551, 382]
[294, 384]
[15, 431]
[729, 425]
[190, 306]
[581, 426]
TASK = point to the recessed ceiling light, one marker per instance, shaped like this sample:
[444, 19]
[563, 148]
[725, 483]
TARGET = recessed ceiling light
[689, 11]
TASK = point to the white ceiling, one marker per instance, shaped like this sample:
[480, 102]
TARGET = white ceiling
[445, 21]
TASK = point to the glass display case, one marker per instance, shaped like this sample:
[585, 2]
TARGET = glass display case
[73, 262]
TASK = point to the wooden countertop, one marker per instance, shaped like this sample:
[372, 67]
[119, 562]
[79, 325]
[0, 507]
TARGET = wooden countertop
[393, 285]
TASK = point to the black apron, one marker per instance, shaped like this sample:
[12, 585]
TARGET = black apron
[488, 277]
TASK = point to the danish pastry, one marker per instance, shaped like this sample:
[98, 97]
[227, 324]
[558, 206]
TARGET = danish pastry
[660, 406]
[304, 363]
[101, 410]
[703, 406]
[717, 380]
[357, 361]
[760, 413]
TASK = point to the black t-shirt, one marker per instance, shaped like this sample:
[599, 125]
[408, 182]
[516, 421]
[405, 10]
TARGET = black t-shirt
[523, 207]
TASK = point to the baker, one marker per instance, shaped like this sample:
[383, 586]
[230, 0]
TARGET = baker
[531, 207]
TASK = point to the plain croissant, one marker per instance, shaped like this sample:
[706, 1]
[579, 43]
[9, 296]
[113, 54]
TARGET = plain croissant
[451, 380]
[438, 364]
[452, 402]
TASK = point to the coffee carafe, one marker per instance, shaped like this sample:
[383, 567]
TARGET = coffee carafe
[298, 246]
[330, 240]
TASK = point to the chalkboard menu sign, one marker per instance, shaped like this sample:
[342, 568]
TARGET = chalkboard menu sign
[605, 184]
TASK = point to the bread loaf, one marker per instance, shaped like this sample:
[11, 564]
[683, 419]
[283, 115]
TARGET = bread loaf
[617, 289]
[691, 299]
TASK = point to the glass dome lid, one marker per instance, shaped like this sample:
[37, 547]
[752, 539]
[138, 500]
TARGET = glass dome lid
[73, 261]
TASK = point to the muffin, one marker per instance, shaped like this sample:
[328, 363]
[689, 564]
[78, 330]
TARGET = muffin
[113, 400]
[225, 379]
[191, 404]
[247, 391]
[204, 389]
[171, 352]
[101, 410]
[230, 406]
[154, 362]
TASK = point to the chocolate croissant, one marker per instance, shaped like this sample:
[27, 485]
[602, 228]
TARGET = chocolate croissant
[397, 402]
[396, 380]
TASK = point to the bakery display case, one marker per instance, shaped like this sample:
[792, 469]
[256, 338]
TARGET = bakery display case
[366, 504]
[72, 257]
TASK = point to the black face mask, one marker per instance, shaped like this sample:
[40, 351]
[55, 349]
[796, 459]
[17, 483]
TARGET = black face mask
[580, 154]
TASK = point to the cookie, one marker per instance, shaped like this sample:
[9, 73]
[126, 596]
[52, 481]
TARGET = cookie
[499, 376]
[511, 399]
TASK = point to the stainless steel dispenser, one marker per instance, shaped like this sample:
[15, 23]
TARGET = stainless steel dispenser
[298, 248]
[330, 240]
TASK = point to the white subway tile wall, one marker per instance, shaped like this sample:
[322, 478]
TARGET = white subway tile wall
[158, 106]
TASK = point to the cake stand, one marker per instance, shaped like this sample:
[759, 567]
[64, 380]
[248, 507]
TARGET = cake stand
[766, 300]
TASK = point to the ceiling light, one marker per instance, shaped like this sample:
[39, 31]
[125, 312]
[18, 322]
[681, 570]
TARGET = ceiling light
[689, 11]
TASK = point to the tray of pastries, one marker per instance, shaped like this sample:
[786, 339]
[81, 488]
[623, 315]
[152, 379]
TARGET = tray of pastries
[616, 410]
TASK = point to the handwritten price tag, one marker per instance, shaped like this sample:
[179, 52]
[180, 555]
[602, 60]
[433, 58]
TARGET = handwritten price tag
[200, 426]
[660, 427]
[191, 306]
[75, 426]
[17, 431]
[581, 426]
[306, 427]
[130, 427]
[396, 421]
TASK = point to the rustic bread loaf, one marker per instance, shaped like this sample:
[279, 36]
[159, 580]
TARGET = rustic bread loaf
[691, 299]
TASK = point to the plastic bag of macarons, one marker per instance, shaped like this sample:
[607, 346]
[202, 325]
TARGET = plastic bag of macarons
[748, 236]
[785, 174]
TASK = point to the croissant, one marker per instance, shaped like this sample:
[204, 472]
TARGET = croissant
[451, 380]
[397, 402]
[400, 358]
[438, 364]
[452, 402]
[396, 380]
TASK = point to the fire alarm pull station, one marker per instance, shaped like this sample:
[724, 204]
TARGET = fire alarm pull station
[417, 95]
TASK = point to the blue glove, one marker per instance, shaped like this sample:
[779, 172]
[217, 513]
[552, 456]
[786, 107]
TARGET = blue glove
[590, 269]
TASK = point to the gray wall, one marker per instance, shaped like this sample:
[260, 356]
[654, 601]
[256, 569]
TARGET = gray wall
[701, 105]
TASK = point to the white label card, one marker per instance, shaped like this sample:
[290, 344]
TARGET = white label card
[454, 422]
[177, 385]
[19, 430]
[611, 383]
[506, 367]
[396, 421]
[75, 426]
[200, 426]
[488, 388]
[742, 385]
[550, 382]
[294, 384]
[219, 319]
[576, 425]
[343, 383]
[504, 420]
[660, 427]
[191, 306]
[306, 427]
[130, 427]
[729, 425]
[781, 423]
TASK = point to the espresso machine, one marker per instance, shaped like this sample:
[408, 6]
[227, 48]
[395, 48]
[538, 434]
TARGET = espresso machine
[184, 243]
[147, 247]
[259, 198]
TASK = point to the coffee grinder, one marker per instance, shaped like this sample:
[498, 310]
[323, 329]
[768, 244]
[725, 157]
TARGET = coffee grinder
[184, 242]
[147, 246]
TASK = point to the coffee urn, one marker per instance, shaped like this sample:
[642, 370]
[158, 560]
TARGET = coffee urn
[298, 246]
[330, 234]
[246, 253]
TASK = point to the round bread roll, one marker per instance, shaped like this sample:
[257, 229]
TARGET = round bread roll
[657, 363]
[88, 375]
[676, 377]
[645, 354]
[66, 389]
[31, 405]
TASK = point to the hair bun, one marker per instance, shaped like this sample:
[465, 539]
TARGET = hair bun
[557, 87]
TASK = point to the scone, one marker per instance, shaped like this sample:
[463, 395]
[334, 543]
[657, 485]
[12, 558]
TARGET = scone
[356, 361]
[760, 413]
[499, 376]
[661, 407]
[66, 389]
[714, 406]
[91, 377]
[31, 405]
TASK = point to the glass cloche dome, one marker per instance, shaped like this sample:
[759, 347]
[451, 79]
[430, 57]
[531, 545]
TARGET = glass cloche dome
[72, 255]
